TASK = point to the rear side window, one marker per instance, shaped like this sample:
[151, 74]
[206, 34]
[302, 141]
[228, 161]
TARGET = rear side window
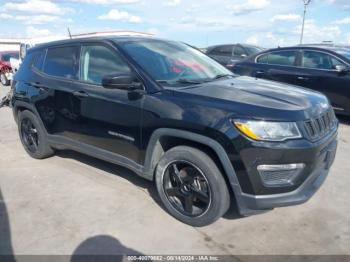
[263, 59]
[61, 62]
[285, 58]
[38, 59]
[98, 61]
[225, 50]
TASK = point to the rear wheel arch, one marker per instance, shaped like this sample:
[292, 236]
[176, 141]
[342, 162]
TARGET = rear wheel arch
[21, 106]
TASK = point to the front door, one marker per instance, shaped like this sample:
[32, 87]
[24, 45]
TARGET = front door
[108, 118]
[319, 73]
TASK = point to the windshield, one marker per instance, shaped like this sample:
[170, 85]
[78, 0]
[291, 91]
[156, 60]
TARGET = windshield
[173, 63]
[8, 56]
[344, 52]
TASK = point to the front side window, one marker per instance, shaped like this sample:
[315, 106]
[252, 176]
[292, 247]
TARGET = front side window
[61, 62]
[239, 51]
[99, 61]
[319, 60]
[172, 62]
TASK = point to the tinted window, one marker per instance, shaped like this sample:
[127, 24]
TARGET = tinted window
[263, 59]
[286, 58]
[38, 59]
[225, 50]
[239, 51]
[61, 61]
[318, 60]
[98, 61]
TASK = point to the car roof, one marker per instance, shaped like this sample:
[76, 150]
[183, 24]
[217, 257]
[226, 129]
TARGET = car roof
[94, 39]
[244, 45]
[325, 48]
[309, 47]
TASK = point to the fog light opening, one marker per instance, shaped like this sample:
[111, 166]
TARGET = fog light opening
[280, 175]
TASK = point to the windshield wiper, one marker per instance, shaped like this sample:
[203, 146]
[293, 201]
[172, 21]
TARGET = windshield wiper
[188, 81]
[180, 81]
[222, 76]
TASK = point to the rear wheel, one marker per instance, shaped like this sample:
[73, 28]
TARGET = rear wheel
[33, 136]
[191, 186]
[4, 80]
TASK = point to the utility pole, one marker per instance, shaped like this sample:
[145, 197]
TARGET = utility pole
[306, 3]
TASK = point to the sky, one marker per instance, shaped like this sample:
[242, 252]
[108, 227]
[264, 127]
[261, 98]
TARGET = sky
[267, 23]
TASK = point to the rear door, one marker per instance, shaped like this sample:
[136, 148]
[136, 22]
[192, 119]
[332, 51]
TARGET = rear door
[277, 66]
[53, 91]
[319, 73]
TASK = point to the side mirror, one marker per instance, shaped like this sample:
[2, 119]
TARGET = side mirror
[341, 69]
[243, 55]
[124, 81]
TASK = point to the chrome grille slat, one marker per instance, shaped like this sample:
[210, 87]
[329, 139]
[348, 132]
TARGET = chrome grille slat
[320, 126]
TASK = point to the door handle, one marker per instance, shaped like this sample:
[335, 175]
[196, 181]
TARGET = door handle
[80, 94]
[260, 72]
[303, 78]
[40, 86]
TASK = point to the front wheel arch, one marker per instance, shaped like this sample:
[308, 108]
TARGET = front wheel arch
[155, 151]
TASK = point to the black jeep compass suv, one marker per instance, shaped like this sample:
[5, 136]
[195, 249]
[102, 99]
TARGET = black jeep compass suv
[173, 115]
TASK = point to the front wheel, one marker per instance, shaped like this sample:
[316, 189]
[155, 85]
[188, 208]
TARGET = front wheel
[191, 186]
[4, 80]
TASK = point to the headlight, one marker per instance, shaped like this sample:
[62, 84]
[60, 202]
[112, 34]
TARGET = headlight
[268, 131]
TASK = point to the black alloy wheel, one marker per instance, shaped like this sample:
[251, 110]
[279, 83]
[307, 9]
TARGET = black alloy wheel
[186, 188]
[29, 135]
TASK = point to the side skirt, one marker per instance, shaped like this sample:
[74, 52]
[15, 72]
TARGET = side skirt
[62, 143]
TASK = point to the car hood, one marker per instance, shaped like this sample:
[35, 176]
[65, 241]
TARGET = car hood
[262, 93]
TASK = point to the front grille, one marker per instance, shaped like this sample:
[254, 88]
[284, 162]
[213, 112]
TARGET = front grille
[317, 128]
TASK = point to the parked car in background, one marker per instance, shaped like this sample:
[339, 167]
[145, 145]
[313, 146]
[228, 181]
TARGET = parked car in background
[6, 73]
[228, 55]
[325, 68]
[173, 115]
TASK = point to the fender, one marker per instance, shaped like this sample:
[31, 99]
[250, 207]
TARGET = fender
[16, 104]
[153, 154]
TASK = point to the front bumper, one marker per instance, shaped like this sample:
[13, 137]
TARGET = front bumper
[249, 204]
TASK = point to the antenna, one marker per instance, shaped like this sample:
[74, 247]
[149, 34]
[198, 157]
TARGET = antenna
[70, 35]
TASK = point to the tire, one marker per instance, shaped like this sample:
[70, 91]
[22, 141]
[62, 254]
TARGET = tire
[4, 80]
[28, 125]
[184, 173]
